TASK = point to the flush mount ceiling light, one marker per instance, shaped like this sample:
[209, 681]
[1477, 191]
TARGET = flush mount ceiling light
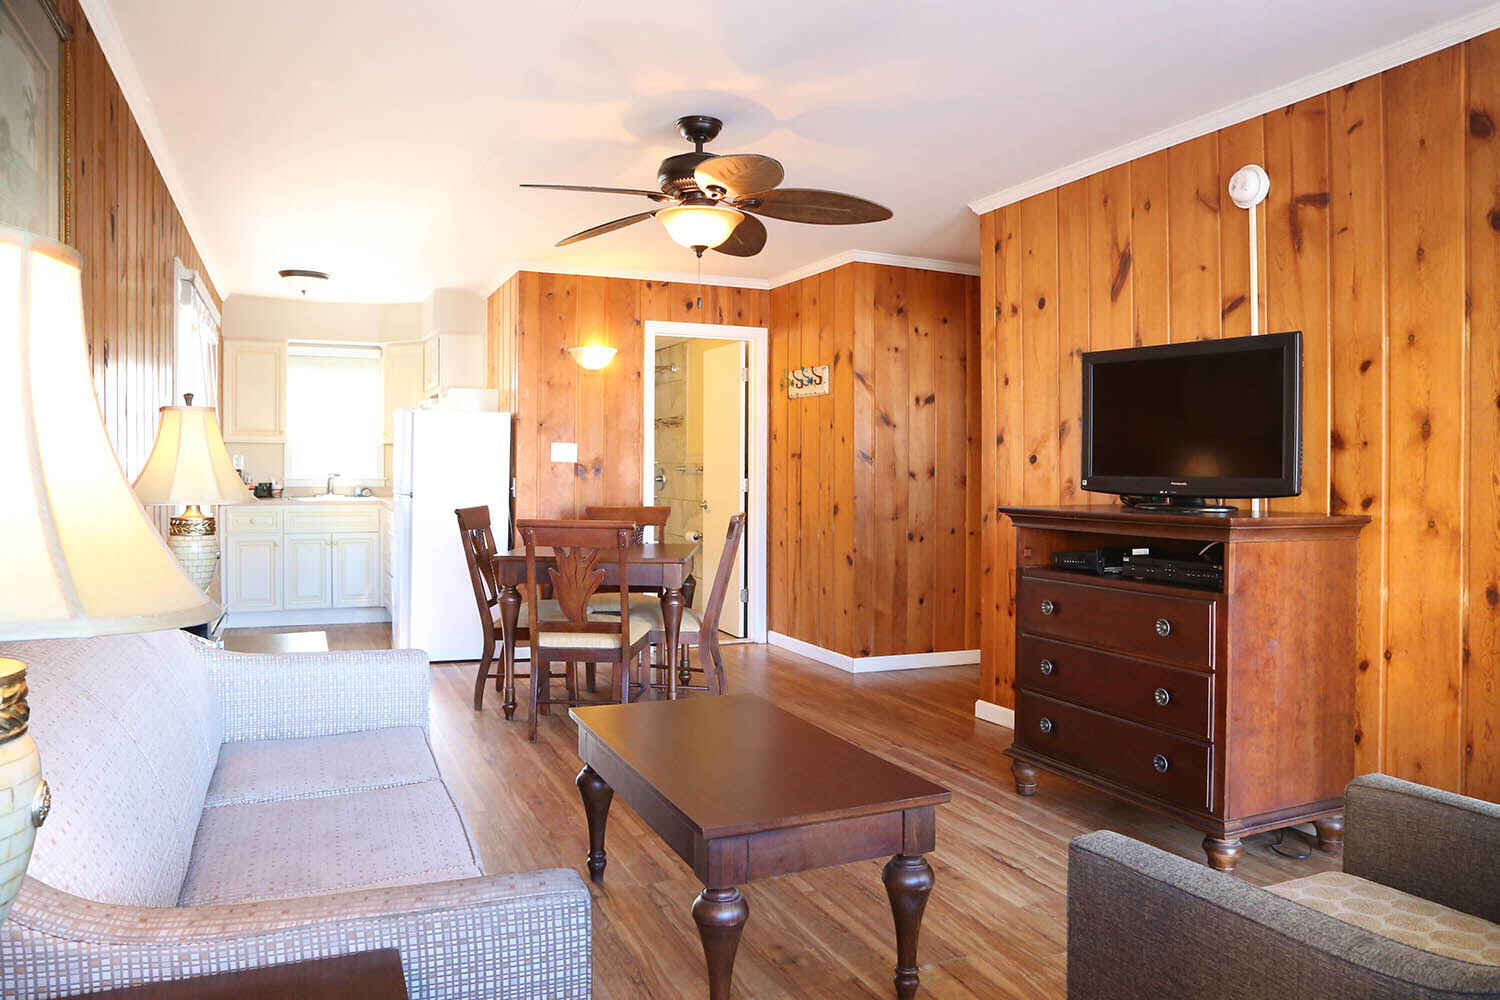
[301, 279]
[704, 198]
[593, 356]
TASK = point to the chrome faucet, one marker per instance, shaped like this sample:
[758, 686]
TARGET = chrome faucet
[331, 477]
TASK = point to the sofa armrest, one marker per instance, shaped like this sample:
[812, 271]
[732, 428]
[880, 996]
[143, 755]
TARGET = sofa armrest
[271, 696]
[1425, 842]
[515, 937]
[1142, 922]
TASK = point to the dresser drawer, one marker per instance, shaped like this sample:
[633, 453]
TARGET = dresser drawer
[1163, 626]
[252, 520]
[1170, 768]
[1166, 697]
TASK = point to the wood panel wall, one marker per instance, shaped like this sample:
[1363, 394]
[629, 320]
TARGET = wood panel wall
[127, 228]
[533, 319]
[873, 539]
[1381, 243]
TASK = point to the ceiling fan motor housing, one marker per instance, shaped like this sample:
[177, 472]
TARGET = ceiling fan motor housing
[675, 175]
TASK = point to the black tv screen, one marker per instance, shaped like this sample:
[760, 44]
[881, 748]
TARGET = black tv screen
[1217, 418]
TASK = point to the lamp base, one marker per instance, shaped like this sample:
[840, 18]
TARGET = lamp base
[193, 541]
[24, 797]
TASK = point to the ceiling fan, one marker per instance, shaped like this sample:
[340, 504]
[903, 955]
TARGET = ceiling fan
[705, 198]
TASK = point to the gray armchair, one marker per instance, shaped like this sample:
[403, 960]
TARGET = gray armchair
[1142, 922]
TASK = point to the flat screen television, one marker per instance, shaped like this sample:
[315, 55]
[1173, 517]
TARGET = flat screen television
[1170, 427]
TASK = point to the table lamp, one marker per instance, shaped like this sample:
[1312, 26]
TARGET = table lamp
[190, 466]
[81, 557]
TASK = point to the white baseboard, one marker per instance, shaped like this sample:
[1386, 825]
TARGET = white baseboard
[315, 616]
[988, 711]
[873, 664]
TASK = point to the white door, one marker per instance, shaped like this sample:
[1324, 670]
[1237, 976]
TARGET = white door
[252, 577]
[724, 475]
[306, 572]
[254, 390]
[356, 569]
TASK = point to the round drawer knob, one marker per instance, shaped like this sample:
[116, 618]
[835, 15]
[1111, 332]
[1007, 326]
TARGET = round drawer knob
[1160, 763]
[1163, 627]
[1162, 697]
[1047, 667]
[1048, 607]
[1045, 725]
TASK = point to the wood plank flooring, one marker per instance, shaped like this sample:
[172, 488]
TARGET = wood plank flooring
[995, 925]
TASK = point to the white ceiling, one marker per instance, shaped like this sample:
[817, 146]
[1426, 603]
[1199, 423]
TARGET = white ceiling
[382, 140]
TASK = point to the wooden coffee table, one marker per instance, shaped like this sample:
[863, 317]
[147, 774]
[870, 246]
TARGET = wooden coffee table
[740, 790]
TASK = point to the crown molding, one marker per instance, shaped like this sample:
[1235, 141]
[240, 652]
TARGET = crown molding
[872, 257]
[677, 277]
[1387, 57]
[112, 43]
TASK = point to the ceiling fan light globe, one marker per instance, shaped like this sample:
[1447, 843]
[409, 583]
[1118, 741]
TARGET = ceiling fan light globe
[694, 226]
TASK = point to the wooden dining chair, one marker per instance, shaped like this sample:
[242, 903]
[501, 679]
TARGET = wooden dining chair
[702, 630]
[478, 540]
[571, 633]
[642, 596]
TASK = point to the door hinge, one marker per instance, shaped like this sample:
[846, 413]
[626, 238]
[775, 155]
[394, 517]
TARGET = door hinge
[744, 595]
[744, 374]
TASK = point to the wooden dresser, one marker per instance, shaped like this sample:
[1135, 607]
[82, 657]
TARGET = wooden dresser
[1231, 711]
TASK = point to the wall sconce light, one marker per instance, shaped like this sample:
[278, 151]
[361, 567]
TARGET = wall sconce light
[593, 357]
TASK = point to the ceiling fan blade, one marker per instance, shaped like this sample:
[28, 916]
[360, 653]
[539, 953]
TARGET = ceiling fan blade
[738, 174]
[607, 227]
[653, 195]
[818, 208]
[747, 240]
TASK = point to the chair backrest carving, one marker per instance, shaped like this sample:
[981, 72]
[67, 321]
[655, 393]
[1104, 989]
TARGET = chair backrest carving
[478, 542]
[578, 549]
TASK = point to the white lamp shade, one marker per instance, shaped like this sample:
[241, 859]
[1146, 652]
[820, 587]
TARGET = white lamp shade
[188, 463]
[593, 356]
[81, 557]
[696, 226]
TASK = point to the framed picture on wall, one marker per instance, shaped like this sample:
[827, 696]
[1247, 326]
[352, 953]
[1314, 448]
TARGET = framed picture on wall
[34, 134]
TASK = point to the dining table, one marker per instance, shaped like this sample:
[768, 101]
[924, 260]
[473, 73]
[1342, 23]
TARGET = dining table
[667, 566]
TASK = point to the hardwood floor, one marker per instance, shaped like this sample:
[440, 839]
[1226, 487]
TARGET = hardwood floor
[996, 922]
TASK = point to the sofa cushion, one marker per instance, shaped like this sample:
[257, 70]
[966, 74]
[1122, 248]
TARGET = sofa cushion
[1399, 916]
[277, 770]
[406, 835]
[128, 730]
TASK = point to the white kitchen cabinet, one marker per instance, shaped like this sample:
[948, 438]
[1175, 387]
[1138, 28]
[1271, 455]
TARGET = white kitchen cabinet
[252, 573]
[387, 545]
[431, 361]
[307, 571]
[356, 569]
[401, 367]
[254, 405]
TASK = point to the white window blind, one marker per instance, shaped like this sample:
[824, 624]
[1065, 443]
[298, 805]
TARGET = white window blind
[334, 395]
[196, 340]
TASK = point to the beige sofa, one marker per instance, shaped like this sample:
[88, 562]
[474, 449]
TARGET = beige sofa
[216, 811]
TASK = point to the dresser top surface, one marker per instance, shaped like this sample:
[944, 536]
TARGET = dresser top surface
[1086, 517]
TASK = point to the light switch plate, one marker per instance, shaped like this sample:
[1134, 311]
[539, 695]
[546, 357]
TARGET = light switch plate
[565, 451]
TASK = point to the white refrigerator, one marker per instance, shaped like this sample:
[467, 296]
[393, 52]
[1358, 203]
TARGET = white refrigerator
[443, 460]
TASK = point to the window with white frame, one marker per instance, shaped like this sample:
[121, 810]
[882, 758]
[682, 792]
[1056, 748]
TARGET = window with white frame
[195, 338]
[334, 396]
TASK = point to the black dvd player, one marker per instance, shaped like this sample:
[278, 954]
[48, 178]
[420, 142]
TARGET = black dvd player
[1100, 562]
[1176, 572]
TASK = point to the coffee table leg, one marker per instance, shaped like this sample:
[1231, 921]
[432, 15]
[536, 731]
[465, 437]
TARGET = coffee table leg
[510, 612]
[720, 915]
[597, 796]
[908, 882]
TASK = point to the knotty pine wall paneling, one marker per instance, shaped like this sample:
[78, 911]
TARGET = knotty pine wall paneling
[1380, 241]
[875, 483]
[533, 319]
[127, 228]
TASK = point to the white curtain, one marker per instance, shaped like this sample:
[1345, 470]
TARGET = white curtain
[196, 336]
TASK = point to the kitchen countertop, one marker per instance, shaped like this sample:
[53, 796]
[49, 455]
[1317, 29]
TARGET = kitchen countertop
[342, 501]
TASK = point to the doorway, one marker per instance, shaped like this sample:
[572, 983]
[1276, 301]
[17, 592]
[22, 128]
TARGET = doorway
[704, 418]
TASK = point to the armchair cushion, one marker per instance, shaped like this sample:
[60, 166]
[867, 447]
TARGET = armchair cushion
[304, 847]
[277, 770]
[1393, 914]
